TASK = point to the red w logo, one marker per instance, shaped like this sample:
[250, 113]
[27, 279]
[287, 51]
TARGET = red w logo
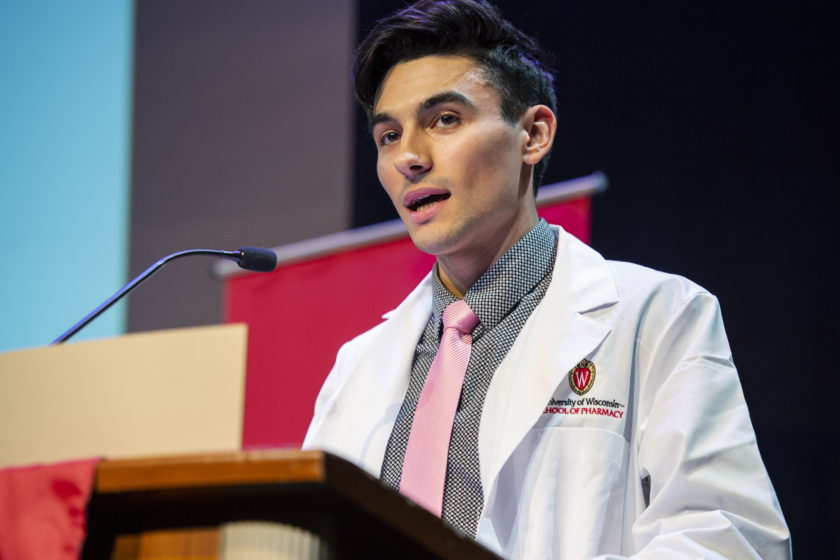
[582, 376]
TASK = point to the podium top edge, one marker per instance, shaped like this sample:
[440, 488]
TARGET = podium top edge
[214, 469]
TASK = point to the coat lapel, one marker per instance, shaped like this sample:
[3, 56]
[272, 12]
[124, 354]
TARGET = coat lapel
[359, 425]
[555, 338]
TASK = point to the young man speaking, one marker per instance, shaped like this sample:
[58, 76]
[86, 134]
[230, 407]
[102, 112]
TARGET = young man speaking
[548, 402]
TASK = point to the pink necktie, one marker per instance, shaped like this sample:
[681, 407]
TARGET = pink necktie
[424, 465]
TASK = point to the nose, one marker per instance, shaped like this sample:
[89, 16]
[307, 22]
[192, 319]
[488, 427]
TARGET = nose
[413, 158]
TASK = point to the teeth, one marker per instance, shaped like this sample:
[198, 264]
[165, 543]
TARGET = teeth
[425, 201]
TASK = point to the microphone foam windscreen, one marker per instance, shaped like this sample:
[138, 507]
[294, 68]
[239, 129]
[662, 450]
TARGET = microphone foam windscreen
[257, 259]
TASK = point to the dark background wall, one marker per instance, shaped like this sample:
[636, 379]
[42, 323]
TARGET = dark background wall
[717, 127]
[242, 122]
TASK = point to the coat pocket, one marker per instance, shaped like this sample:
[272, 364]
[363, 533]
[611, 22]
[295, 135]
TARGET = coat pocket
[572, 495]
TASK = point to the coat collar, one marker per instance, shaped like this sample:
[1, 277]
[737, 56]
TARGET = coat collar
[581, 282]
[556, 336]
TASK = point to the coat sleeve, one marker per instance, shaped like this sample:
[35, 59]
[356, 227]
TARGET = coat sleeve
[346, 358]
[707, 491]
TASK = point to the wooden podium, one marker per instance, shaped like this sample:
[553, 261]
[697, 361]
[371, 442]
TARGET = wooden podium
[352, 512]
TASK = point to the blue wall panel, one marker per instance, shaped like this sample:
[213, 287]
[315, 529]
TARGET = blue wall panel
[65, 106]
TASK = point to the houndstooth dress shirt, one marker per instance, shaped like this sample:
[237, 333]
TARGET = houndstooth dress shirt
[503, 299]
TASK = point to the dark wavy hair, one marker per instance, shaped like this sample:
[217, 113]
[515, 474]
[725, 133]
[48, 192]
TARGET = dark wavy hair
[513, 63]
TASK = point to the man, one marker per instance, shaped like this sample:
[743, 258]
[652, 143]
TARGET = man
[596, 409]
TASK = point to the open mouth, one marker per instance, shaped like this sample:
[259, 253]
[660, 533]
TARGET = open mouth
[424, 201]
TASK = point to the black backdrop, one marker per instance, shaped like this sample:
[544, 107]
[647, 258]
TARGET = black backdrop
[716, 125]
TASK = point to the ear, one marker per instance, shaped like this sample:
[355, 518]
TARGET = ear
[538, 127]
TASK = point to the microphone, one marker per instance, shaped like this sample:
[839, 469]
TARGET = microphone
[257, 259]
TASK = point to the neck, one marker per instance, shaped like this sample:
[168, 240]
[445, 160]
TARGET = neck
[458, 272]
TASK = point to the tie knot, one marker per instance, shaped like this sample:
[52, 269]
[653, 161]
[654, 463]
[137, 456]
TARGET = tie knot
[459, 315]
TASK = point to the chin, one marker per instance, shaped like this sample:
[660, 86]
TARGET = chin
[427, 241]
[424, 245]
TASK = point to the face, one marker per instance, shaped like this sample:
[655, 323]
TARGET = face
[451, 164]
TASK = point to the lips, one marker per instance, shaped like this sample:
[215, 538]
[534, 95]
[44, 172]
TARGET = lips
[420, 199]
[424, 203]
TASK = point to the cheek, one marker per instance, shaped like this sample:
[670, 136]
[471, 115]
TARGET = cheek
[473, 155]
[387, 177]
[381, 171]
[506, 159]
[499, 141]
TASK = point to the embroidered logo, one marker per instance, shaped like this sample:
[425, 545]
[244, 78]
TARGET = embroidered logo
[582, 377]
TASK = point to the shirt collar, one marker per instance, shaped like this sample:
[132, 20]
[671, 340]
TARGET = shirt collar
[506, 282]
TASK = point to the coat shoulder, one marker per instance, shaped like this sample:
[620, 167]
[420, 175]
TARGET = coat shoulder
[647, 286]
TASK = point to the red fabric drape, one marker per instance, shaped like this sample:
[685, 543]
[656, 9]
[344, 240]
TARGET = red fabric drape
[42, 510]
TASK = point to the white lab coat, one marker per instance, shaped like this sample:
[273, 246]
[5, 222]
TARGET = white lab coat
[676, 474]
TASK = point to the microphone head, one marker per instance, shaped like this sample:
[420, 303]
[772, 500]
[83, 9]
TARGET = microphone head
[257, 259]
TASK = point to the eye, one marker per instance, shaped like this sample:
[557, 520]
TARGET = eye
[388, 137]
[447, 120]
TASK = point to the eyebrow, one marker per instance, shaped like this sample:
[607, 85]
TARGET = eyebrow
[437, 99]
